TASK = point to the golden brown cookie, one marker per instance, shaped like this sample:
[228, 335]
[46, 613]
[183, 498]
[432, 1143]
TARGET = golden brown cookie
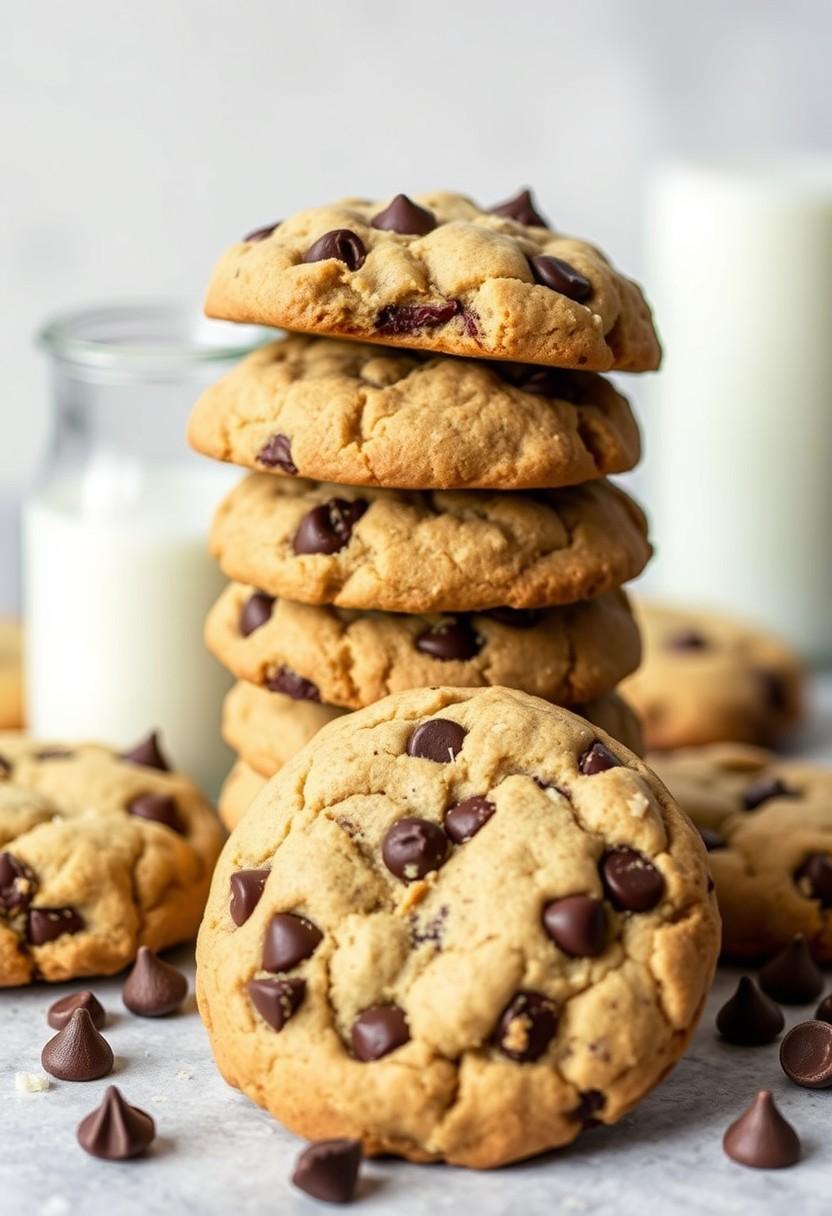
[11, 675]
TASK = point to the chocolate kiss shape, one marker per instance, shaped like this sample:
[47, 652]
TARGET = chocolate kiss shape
[78, 1052]
[522, 209]
[115, 1130]
[761, 1137]
[806, 1054]
[378, 1031]
[61, 1011]
[792, 976]
[246, 889]
[406, 217]
[328, 1170]
[148, 754]
[749, 1018]
[290, 940]
[255, 612]
[157, 808]
[597, 759]
[153, 988]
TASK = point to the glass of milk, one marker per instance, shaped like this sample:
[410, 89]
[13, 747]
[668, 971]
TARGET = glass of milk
[116, 574]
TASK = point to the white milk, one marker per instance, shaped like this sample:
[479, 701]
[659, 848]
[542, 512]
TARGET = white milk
[740, 418]
[117, 582]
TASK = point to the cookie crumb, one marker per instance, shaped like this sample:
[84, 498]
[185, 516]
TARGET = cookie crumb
[183, 1075]
[31, 1082]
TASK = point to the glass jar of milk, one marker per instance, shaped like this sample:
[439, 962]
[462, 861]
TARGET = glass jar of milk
[117, 577]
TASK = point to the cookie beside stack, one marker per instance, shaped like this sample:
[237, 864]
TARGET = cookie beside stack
[415, 518]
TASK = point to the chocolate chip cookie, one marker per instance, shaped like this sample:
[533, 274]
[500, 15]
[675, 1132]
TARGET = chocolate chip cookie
[100, 853]
[354, 414]
[442, 551]
[707, 678]
[359, 977]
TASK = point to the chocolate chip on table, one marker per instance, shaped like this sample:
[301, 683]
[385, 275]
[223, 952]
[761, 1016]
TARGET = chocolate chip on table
[749, 1018]
[277, 1000]
[413, 847]
[341, 243]
[47, 924]
[686, 639]
[255, 612]
[292, 685]
[806, 1054]
[62, 1010]
[632, 883]
[527, 1026]
[452, 640]
[158, 808]
[246, 889]
[78, 1052]
[597, 759]
[260, 234]
[711, 839]
[115, 1130]
[276, 453]
[577, 924]
[290, 939]
[328, 1170]
[559, 276]
[466, 818]
[514, 618]
[148, 754]
[814, 878]
[328, 527]
[18, 884]
[438, 739]
[522, 209]
[823, 1013]
[761, 1137]
[406, 217]
[764, 789]
[153, 988]
[378, 1031]
[792, 976]
[407, 318]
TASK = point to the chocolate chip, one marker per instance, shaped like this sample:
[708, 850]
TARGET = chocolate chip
[148, 754]
[761, 1137]
[290, 939]
[515, 618]
[413, 848]
[466, 818]
[590, 1102]
[340, 243]
[54, 753]
[559, 276]
[288, 682]
[823, 1013]
[276, 453]
[527, 1026]
[327, 528]
[522, 209]
[158, 808]
[78, 1052]
[46, 924]
[153, 988]
[246, 889]
[777, 691]
[815, 878]
[62, 1010]
[256, 611]
[17, 884]
[277, 1000]
[406, 318]
[632, 883]
[328, 1170]
[405, 216]
[806, 1055]
[711, 839]
[378, 1031]
[792, 976]
[437, 739]
[260, 234]
[115, 1130]
[453, 639]
[577, 924]
[764, 789]
[551, 382]
[597, 759]
[749, 1018]
[686, 639]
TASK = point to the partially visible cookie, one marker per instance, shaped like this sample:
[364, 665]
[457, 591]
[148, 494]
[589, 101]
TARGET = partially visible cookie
[240, 788]
[439, 274]
[99, 854]
[707, 678]
[11, 675]
[442, 551]
[358, 415]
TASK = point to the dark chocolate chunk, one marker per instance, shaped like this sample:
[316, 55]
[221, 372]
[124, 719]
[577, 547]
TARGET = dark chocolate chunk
[764, 789]
[276, 453]
[78, 1052]
[260, 234]
[749, 1018]
[158, 808]
[246, 889]
[814, 877]
[597, 759]
[806, 1054]
[148, 754]
[378, 1031]
[632, 883]
[256, 611]
[153, 988]
[437, 739]
[292, 685]
[577, 924]
[405, 216]
[328, 527]
[328, 1170]
[413, 847]
[62, 1010]
[792, 976]
[407, 318]
[559, 276]
[761, 1137]
[46, 924]
[522, 209]
[466, 818]
[290, 939]
[527, 1026]
[277, 1000]
[340, 243]
[18, 884]
[591, 1101]
[115, 1130]
[452, 640]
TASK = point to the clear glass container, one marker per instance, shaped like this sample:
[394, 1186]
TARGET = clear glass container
[116, 574]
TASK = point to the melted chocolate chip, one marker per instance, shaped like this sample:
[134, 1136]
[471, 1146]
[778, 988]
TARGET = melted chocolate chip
[148, 754]
[559, 276]
[341, 243]
[749, 1018]
[246, 889]
[327, 528]
[18, 885]
[527, 1026]
[406, 217]
[277, 1000]
[115, 1130]
[466, 818]
[437, 739]
[514, 618]
[78, 1052]
[153, 988]
[257, 610]
[597, 759]
[764, 789]
[260, 234]
[761, 1137]
[413, 847]
[577, 924]
[378, 1031]
[328, 1170]
[711, 839]
[290, 940]
[292, 685]
[814, 877]
[806, 1055]
[407, 318]
[276, 453]
[452, 640]
[522, 209]
[158, 808]
[62, 1010]
[47, 924]
[632, 883]
[792, 977]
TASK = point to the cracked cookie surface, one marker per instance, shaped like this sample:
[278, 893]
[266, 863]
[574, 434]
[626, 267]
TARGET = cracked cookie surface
[360, 976]
[357, 415]
[475, 283]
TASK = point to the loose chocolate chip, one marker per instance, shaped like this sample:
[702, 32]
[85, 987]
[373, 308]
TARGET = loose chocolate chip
[632, 883]
[407, 318]
[590, 1102]
[62, 1010]
[686, 639]
[792, 976]
[764, 790]
[749, 1018]
[466, 818]
[340, 243]
[413, 848]
[158, 808]
[260, 234]
[806, 1054]
[527, 1026]
[78, 1052]
[54, 753]
[328, 1170]
[46, 924]
[761, 1137]
[148, 754]
[522, 209]
[597, 759]
[288, 682]
[561, 277]
[246, 889]
[815, 878]
[115, 1130]
[711, 839]
[577, 924]
[327, 528]
[405, 216]
[453, 639]
[823, 1013]
[515, 618]
[17, 884]
[290, 939]
[437, 739]
[256, 611]
[378, 1031]
[551, 382]
[276, 453]
[153, 988]
[277, 1000]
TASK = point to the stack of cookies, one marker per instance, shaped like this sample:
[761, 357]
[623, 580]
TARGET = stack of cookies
[428, 503]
